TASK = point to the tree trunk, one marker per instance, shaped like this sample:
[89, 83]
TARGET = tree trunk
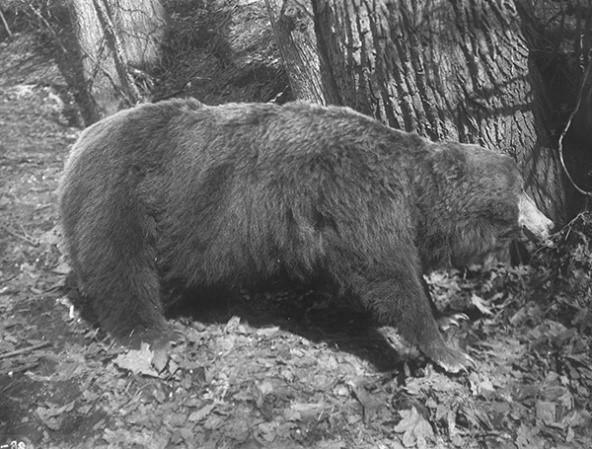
[450, 70]
[96, 88]
[141, 26]
[105, 51]
[293, 27]
[559, 36]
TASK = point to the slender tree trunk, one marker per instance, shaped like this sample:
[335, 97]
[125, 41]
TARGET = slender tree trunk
[96, 89]
[293, 27]
[111, 36]
[128, 89]
[450, 70]
[141, 26]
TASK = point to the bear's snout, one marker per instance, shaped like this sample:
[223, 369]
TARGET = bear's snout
[532, 220]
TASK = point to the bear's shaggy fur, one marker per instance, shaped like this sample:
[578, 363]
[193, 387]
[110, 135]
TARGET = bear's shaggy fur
[224, 195]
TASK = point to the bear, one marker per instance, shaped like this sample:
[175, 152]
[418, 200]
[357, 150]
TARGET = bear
[179, 191]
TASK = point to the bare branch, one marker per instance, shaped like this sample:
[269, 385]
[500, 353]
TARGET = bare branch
[24, 350]
[5, 24]
[117, 49]
[585, 81]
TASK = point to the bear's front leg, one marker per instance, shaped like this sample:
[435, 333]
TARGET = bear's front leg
[400, 301]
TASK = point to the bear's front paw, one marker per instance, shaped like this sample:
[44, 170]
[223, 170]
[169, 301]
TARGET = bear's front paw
[452, 360]
[157, 337]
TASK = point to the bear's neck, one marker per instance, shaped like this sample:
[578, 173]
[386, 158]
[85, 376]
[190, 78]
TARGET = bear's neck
[433, 220]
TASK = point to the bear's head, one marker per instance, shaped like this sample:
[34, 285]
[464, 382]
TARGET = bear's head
[478, 207]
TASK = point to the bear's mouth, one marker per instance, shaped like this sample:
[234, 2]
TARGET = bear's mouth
[510, 233]
[544, 239]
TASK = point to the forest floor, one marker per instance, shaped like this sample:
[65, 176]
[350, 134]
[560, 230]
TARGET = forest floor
[278, 369]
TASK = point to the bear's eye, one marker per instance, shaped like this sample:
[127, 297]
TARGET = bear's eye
[502, 213]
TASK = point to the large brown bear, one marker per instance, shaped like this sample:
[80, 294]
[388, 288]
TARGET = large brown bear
[225, 195]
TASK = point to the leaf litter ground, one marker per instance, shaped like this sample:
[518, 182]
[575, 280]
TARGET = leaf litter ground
[282, 368]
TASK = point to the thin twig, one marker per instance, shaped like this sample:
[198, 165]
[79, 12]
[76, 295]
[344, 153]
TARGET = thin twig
[20, 369]
[24, 350]
[98, 67]
[6, 280]
[568, 125]
[50, 28]
[18, 236]
[5, 24]
[117, 50]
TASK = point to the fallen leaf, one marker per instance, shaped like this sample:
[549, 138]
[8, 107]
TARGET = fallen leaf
[213, 422]
[202, 413]
[267, 431]
[225, 343]
[175, 419]
[127, 438]
[415, 428]
[480, 384]
[307, 410]
[265, 387]
[546, 411]
[332, 444]
[62, 268]
[160, 358]
[369, 402]
[52, 415]
[527, 438]
[267, 331]
[137, 361]
[479, 304]
[232, 325]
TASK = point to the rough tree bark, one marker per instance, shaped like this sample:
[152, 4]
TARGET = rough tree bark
[293, 27]
[141, 26]
[450, 70]
[113, 35]
[559, 35]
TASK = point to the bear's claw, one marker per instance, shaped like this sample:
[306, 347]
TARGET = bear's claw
[452, 360]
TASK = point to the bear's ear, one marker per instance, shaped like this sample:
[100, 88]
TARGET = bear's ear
[448, 162]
